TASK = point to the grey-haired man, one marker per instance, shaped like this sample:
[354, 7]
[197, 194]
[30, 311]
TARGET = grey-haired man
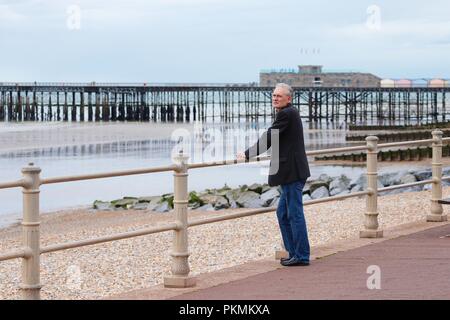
[291, 170]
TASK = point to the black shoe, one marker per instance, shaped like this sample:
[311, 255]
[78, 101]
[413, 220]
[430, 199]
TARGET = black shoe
[284, 259]
[294, 262]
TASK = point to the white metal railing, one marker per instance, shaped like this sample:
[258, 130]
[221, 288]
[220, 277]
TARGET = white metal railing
[180, 272]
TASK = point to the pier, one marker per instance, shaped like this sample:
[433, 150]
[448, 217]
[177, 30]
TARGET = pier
[216, 102]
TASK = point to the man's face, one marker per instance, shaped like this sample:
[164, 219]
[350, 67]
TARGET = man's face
[280, 98]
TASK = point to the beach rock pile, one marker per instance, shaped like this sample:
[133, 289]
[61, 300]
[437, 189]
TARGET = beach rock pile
[262, 195]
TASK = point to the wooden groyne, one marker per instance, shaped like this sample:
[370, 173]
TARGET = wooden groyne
[227, 102]
[396, 136]
[406, 154]
[434, 125]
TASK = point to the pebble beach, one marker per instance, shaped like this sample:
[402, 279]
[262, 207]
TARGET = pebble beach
[102, 270]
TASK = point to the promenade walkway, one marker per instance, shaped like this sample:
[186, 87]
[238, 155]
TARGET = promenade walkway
[413, 262]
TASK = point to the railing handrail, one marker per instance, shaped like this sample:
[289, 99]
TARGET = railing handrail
[111, 174]
[23, 253]
[108, 174]
[30, 183]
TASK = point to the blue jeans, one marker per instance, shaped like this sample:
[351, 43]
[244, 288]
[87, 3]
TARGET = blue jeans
[292, 221]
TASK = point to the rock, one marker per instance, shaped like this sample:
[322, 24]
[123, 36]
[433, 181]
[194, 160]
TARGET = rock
[357, 181]
[379, 184]
[146, 199]
[325, 178]
[140, 206]
[337, 191]
[398, 176]
[209, 191]
[256, 187]
[427, 187]
[220, 192]
[243, 188]
[346, 191]
[221, 203]
[233, 205]
[223, 191]
[387, 178]
[321, 192]
[265, 188]
[408, 178]
[154, 203]
[307, 188]
[316, 185]
[125, 203]
[423, 175]
[208, 198]
[207, 207]
[334, 192]
[103, 205]
[362, 182]
[168, 197]
[306, 197]
[217, 201]
[194, 206]
[249, 199]
[194, 200]
[339, 184]
[274, 202]
[356, 188]
[268, 196]
[162, 207]
[232, 196]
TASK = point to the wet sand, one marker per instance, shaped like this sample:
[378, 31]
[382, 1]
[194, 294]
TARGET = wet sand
[24, 136]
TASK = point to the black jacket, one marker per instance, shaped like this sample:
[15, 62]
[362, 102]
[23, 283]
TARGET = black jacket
[291, 164]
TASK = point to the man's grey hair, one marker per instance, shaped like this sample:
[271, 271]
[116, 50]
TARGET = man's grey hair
[286, 87]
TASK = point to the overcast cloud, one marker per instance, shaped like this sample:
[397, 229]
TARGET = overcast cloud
[219, 40]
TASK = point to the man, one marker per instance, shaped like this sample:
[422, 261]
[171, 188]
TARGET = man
[289, 168]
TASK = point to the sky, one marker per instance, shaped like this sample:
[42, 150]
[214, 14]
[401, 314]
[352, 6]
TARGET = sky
[219, 41]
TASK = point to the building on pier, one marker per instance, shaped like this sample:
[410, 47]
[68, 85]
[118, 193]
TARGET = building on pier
[312, 75]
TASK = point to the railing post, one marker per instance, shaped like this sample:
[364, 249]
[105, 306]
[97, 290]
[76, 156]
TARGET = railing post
[180, 265]
[436, 187]
[371, 216]
[31, 286]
